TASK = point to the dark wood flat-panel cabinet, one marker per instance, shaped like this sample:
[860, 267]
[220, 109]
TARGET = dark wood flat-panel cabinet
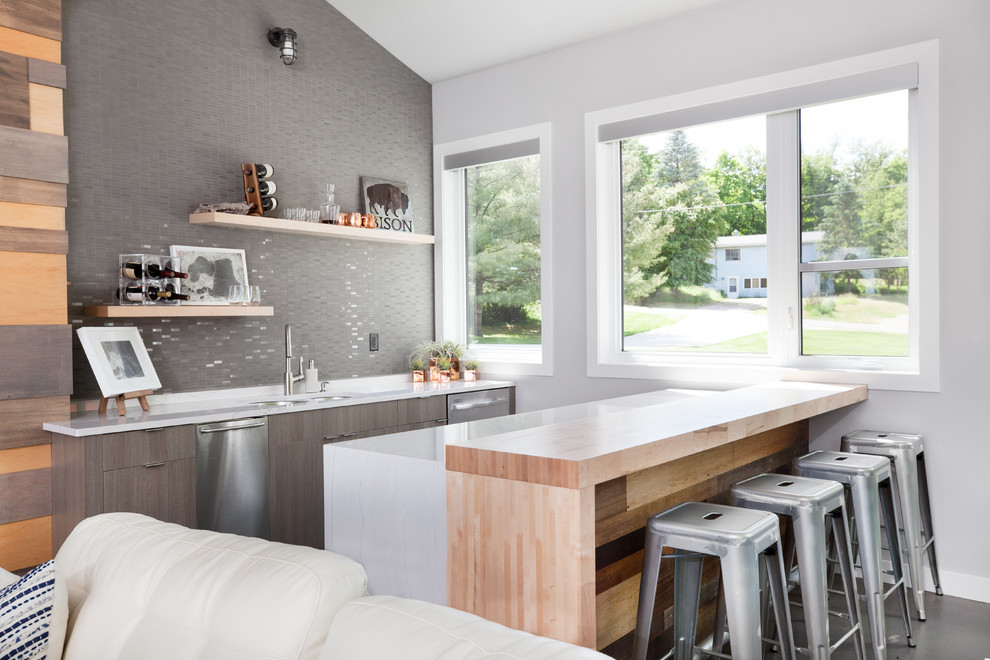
[151, 472]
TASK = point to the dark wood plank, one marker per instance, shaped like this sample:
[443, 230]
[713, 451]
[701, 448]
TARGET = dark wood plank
[369, 416]
[30, 191]
[137, 448]
[15, 106]
[34, 155]
[25, 495]
[36, 359]
[40, 17]
[68, 486]
[46, 73]
[22, 420]
[21, 239]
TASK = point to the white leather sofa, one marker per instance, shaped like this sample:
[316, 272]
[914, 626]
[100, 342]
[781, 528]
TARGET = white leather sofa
[146, 590]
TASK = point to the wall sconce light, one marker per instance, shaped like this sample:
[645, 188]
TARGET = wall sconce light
[285, 40]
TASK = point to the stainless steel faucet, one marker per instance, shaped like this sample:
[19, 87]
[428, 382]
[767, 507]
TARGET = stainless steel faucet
[290, 377]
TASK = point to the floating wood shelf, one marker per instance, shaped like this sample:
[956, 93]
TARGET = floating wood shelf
[173, 311]
[308, 228]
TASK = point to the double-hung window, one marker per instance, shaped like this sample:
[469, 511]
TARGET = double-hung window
[493, 272]
[821, 182]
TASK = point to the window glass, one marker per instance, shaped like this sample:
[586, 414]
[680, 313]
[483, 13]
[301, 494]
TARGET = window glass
[503, 252]
[693, 224]
[854, 207]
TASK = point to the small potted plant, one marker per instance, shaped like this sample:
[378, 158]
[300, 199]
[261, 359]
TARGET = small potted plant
[419, 371]
[443, 369]
[452, 351]
[469, 368]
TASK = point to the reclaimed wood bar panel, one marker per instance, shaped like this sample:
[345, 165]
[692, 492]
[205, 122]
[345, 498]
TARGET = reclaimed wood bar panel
[46, 109]
[25, 543]
[20, 239]
[25, 192]
[36, 359]
[29, 45]
[34, 155]
[41, 17]
[37, 457]
[46, 73]
[22, 420]
[25, 495]
[14, 105]
[34, 290]
[502, 528]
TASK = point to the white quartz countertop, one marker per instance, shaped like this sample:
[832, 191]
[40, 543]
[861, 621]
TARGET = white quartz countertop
[428, 444]
[221, 405]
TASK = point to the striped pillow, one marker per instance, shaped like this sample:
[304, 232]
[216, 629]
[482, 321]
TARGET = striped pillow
[26, 608]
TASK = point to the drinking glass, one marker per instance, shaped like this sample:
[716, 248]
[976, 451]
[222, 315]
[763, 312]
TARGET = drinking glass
[252, 295]
[235, 295]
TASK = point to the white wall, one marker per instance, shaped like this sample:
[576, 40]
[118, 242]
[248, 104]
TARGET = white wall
[744, 39]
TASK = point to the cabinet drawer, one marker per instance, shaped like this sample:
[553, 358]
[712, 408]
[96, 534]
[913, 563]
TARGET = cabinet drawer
[166, 491]
[369, 416]
[136, 448]
[422, 409]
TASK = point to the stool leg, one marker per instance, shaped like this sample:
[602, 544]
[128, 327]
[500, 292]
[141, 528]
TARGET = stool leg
[687, 599]
[890, 524]
[647, 592]
[843, 552]
[741, 576]
[781, 608]
[718, 631]
[926, 521]
[866, 506]
[904, 480]
[809, 531]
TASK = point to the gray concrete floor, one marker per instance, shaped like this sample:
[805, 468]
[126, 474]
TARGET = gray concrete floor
[956, 629]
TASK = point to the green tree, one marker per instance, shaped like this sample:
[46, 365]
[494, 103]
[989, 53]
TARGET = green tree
[820, 176]
[643, 233]
[694, 227]
[503, 236]
[679, 162]
[740, 181]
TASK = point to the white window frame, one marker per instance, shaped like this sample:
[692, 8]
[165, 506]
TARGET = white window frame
[451, 255]
[920, 372]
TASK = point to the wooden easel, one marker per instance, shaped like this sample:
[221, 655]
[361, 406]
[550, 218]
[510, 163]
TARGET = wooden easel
[122, 398]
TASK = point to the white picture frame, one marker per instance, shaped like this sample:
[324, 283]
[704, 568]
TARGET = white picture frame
[211, 272]
[119, 360]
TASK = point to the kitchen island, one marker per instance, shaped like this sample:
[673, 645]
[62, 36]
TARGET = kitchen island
[546, 510]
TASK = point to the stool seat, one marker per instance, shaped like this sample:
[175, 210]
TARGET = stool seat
[842, 466]
[787, 495]
[694, 526]
[883, 443]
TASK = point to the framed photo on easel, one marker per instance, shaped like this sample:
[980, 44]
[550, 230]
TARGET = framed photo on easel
[120, 363]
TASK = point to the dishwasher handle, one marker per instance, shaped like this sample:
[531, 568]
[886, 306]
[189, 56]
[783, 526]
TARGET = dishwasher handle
[247, 424]
[478, 404]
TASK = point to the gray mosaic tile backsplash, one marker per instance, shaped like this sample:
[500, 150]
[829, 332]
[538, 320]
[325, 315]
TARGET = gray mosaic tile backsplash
[165, 100]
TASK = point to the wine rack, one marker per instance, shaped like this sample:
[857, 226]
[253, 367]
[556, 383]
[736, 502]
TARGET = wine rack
[149, 279]
[259, 189]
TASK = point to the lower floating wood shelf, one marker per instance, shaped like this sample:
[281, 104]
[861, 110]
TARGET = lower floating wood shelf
[174, 311]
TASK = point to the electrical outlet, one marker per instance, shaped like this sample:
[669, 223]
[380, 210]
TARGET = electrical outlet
[373, 341]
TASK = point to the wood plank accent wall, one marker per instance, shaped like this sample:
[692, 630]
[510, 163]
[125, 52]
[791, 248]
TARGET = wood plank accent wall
[35, 339]
[623, 505]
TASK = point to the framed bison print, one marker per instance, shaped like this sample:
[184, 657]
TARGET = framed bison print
[388, 201]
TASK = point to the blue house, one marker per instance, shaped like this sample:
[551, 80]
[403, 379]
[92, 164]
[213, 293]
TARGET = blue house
[741, 264]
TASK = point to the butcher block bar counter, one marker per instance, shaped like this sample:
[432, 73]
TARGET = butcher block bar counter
[545, 525]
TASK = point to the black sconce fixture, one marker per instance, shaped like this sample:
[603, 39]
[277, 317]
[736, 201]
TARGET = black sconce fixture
[285, 40]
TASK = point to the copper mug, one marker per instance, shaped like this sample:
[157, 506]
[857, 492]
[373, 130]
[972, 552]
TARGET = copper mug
[354, 219]
[368, 221]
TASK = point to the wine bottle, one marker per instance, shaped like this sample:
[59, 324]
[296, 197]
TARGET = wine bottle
[134, 293]
[264, 188]
[268, 204]
[172, 294]
[133, 270]
[264, 170]
[166, 272]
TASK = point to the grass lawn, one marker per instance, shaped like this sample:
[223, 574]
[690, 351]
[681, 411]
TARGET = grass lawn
[637, 319]
[509, 333]
[818, 342]
[857, 309]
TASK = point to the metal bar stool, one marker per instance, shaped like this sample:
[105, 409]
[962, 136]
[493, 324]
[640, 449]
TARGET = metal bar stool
[809, 503]
[910, 486]
[868, 481]
[738, 537]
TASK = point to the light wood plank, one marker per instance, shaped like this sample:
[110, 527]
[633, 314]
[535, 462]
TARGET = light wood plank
[173, 311]
[34, 291]
[46, 73]
[18, 239]
[46, 109]
[26, 543]
[522, 554]
[308, 228]
[22, 420]
[30, 191]
[36, 359]
[14, 104]
[25, 458]
[30, 45]
[31, 216]
[41, 17]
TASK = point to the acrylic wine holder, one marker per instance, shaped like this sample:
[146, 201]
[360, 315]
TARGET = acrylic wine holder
[141, 280]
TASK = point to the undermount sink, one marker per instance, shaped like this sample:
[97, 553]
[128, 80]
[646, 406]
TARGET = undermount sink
[267, 404]
[329, 397]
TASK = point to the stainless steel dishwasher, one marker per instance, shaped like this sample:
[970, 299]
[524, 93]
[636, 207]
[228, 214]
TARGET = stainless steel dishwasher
[232, 477]
[469, 406]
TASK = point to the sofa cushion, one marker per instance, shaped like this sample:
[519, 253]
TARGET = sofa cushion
[33, 613]
[141, 588]
[379, 627]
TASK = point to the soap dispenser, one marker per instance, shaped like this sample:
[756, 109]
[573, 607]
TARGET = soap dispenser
[312, 378]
